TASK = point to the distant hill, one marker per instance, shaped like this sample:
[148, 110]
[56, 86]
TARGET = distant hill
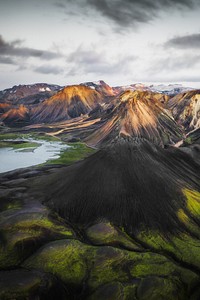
[70, 102]
[185, 108]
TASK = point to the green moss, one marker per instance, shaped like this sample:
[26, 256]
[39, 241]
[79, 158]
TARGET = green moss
[12, 136]
[36, 136]
[10, 139]
[17, 135]
[11, 204]
[17, 290]
[76, 152]
[65, 259]
[22, 145]
[156, 288]
[109, 265]
[188, 222]
[26, 145]
[26, 222]
[22, 284]
[112, 291]
[184, 247]
[193, 201]
[130, 292]
[188, 140]
[45, 136]
[151, 264]
[149, 267]
[17, 247]
[25, 232]
[187, 249]
[105, 233]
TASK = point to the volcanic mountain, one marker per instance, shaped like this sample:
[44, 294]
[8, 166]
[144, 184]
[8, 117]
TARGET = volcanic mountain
[70, 102]
[171, 89]
[4, 107]
[28, 94]
[131, 182]
[137, 114]
[122, 223]
[18, 116]
[185, 108]
[101, 87]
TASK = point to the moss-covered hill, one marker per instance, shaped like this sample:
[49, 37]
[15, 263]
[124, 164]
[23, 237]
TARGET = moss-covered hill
[45, 254]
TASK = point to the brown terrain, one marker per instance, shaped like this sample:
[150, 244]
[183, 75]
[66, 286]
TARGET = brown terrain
[71, 102]
[122, 223]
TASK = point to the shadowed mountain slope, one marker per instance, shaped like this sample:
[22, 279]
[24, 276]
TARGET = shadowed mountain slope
[137, 114]
[23, 94]
[131, 183]
[70, 102]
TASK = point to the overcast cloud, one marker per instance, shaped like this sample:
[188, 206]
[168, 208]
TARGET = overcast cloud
[191, 41]
[93, 61]
[130, 12]
[15, 48]
[49, 69]
[119, 41]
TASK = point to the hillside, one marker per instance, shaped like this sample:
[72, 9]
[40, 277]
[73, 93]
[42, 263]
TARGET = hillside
[137, 114]
[185, 108]
[70, 102]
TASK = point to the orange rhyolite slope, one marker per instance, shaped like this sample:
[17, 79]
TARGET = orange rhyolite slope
[138, 114]
[4, 107]
[68, 103]
[18, 116]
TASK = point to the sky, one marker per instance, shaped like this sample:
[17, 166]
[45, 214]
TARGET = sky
[119, 41]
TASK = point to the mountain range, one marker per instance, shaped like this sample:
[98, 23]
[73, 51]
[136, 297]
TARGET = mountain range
[122, 223]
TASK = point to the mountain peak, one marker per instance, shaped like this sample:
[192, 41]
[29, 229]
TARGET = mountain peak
[138, 114]
[72, 101]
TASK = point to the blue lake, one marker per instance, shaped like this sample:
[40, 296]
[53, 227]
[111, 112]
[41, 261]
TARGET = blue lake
[11, 159]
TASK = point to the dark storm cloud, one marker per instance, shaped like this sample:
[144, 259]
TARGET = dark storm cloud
[15, 49]
[130, 12]
[191, 41]
[95, 62]
[47, 69]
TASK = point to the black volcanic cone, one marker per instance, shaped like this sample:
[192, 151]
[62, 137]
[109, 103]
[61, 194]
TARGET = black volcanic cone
[131, 183]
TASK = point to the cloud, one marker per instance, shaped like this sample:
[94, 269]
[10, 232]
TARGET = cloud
[130, 12]
[48, 69]
[191, 41]
[16, 50]
[92, 61]
[59, 4]
[7, 60]
[174, 67]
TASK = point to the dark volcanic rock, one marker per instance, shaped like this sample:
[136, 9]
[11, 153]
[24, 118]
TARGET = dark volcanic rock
[24, 284]
[119, 181]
